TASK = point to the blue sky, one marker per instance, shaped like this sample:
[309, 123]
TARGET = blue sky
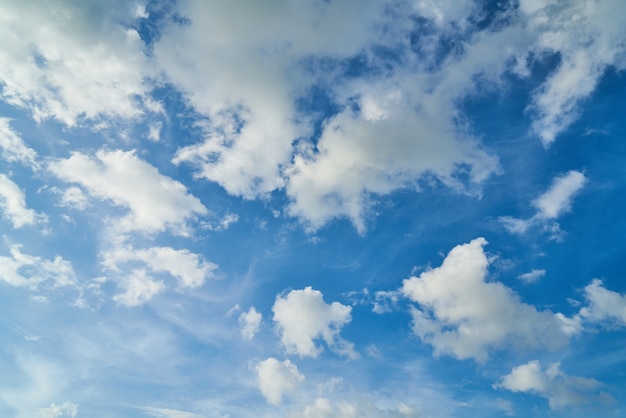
[393, 208]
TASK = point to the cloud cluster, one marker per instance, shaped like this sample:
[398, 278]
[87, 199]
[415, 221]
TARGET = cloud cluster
[155, 202]
[560, 389]
[277, 378]
[13, 204]
[26, 270]
[302, 316]
[13, 147]
[463, 314]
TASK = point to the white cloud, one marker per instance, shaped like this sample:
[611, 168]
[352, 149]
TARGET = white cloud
[462, 314]
[326, 408]
[75, 198]
[13, 147]
[189, 269]
[276, 379]
[250, 323]
[168, 413]
[558, 198]
[532, 276]
[302, 316]
[155, 202]
[603, 304]
[72, 60]
[561, 390]
[138, 289]
[21, 269]
[13, 204]
[66, 410]
[589, 38]
[550, 205]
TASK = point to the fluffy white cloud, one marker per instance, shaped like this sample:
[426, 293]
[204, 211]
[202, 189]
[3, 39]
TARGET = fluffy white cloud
[138, 288]
[532, 276]
[189, 269]
[550, 205]
[155, 202]
[561, 390]
[558, 198]
[250, 323]
[302, 316]
[462, 314]
[21, 269]
[66, 410]
[276, 379]
[603, 304]
[13, 147]
[589, 37]
[72, 60]
[13, 204]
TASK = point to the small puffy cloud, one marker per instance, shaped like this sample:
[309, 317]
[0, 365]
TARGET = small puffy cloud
[302, 316]
[189, 269]
[13, 147]
[25, 270]
[65, 410]
[138, 289]
[561, 390]
[250, 323]
[558, 198]
[276, 379]
[532, 276]
[462, 314]
[13, 204]
[155, 202]
[603, 304]
[550, 205]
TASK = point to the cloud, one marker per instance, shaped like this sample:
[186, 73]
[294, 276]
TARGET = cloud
[73, 61]
[138, 289]
[13, 204]
[588, 38]
[25, 270]
[532, 276]
[276, 379]
[13, 147]
[167, 413]
[556, 201]
[302, 316]
[603, 304]
[561, 390]
[463, 315]
[155, 202]
[325, 408]
[250, 323]
[189, 269]
[66, 410]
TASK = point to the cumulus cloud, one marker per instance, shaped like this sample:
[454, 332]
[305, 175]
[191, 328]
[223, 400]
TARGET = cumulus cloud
[24, 270]
[155, 202]
[532, 276]
[603, 304]
[13, 147]
[326, 408]
[560, 389]
[189, 269]
[66, 410]
[250, 323]
[589, 38]
[13, 204]
[464, 315]
[277, 379]
[72, 61]
[550, 205]
[302, 316]
[138, 289]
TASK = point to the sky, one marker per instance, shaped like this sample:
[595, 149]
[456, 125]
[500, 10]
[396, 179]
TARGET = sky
[312, 208]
